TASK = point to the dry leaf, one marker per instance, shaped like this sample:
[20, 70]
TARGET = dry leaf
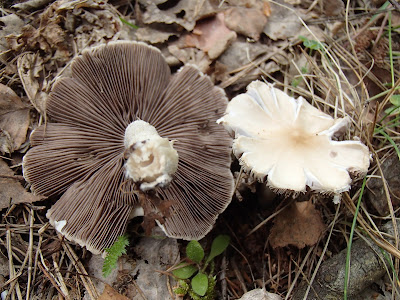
[333, 7]
[11, 24]
[242, 53]
[29, 67]
[153, 36]
[300, 224]
[191, 56]
[110, 294]
[211, 36]
[283, 22]
[11, 191]
[14, 120]
[183, 13]
[260, 294]
[247, 21]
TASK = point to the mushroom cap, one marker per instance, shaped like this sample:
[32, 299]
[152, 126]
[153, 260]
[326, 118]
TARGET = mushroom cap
[289, 142]
[79, 154]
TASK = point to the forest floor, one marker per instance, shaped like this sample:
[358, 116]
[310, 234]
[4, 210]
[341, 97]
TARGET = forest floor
[342, 57]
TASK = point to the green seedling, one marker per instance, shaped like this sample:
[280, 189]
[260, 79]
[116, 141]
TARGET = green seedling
[128, 23]
[311, 44]
[195, 277]
[113, 253]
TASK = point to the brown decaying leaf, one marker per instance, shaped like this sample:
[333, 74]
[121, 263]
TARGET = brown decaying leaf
[211, 36]
[29, 67]
[300, 224]
[110, 294]
[14, 120]
[11, 191]
[184, 13]
[247, 21]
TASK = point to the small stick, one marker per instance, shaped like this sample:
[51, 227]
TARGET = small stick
[63, 286]
[30, 253]
[87, 282]
[222, 277]
[38, 251]
[13, 276]
[239, 275]
[50, 278]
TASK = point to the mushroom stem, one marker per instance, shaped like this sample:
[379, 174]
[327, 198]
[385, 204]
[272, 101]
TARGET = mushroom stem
[150, 159]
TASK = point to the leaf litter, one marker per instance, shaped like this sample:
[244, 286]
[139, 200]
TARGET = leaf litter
[274, 245]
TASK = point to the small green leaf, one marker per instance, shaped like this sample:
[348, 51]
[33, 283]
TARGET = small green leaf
[113, 253]
[311, 44]
[395, 100]
[200, 284]
[184, 272]
[128, 23]
[194, 251]
[304, 70]
[219, 244]
[393, 110]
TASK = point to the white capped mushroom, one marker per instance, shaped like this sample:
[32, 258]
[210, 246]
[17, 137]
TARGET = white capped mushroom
[289, 142]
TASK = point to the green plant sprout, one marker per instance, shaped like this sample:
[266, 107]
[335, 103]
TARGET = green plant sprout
[311, 44]
[128, 23]
[394, 112]
[395, 108]
[113, 253]
[193, 278]
[296, 81]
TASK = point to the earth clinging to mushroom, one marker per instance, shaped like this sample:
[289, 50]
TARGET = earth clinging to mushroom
[125, 134]
[289, 142]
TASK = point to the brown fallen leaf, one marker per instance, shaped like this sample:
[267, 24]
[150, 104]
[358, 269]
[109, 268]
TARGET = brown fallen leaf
[300, 224]
[14, 120]
[110, 294]
[211, 35]
[182, 13]
[11, 190]
[29, 67]
[247, 21]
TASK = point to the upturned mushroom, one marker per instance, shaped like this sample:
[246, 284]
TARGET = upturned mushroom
[125, 135]
[288, 142]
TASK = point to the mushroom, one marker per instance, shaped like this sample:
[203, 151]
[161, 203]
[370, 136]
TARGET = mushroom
[289, 142]
[126, 136]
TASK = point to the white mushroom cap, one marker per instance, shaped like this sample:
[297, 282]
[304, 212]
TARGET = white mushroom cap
[289, 141]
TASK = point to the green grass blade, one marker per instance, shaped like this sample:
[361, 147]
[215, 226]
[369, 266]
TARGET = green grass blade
[353, 226]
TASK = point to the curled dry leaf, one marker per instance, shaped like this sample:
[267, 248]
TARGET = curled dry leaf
[300, 224]
[14, 120]
[29, 68]
[11, 190]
